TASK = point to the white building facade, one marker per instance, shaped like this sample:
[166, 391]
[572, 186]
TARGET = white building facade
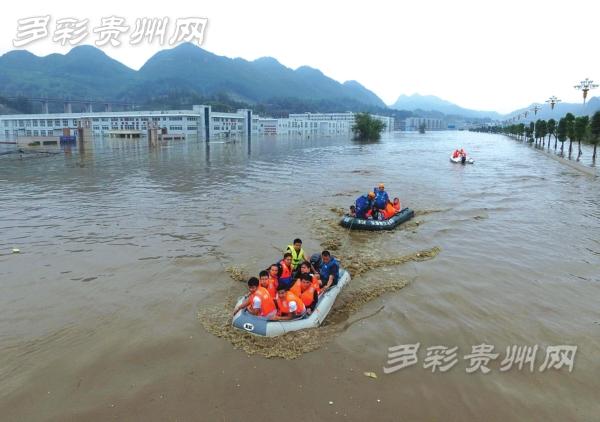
[413, 123]
[317, 124]
[200, 123]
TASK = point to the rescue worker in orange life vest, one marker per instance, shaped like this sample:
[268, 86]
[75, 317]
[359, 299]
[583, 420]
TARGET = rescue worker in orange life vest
[288, 305]
[285, 276]
[308, 294]
[268, 283]
[258, 302]
[274, 274]
[305, 269]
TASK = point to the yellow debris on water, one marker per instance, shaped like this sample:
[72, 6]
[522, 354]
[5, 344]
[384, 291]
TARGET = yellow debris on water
[371, 375]
[357, 265]
[237, 273]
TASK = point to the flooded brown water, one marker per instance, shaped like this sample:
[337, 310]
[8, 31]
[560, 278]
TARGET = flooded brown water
[110, 310]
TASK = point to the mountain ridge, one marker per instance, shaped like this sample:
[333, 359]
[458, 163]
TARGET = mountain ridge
[86, 71]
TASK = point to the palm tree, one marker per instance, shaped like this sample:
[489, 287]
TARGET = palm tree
[570, 131]
[595, 130]
[519, 130]
[561, 134]
[531, 131]
[581, 124]
[541, 129]
[551, 128]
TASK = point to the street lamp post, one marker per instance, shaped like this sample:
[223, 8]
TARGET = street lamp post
[535, 109]
[553, 101]
[585, 86]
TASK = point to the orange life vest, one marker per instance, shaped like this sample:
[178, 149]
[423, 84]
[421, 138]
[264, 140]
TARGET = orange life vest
[389, 211]
[284, 305]
[398, 207]
[455, 154]
[296, 288]
[308, 296]
[286, 272]
[271, 287]
[267, 305]
[316, 283]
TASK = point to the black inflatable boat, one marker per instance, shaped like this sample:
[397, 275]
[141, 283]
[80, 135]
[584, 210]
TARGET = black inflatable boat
[363, 224]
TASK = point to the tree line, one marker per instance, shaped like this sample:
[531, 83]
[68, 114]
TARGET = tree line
[568, 128]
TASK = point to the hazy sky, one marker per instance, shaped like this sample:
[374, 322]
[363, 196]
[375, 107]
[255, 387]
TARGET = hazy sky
[488, 55]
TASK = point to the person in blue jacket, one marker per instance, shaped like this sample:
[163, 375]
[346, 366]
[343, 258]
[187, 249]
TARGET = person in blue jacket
[363, 204]
[329, 271]
[381, 197]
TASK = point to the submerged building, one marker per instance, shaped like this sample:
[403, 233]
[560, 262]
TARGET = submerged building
[201, 123]
[414, 123]
[318, 124]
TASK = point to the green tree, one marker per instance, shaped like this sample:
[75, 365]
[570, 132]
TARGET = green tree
[581, 124]
[551, 127]
[570, 130]
[595, 131]
[521, 131]
[561, 133]
[366, 127]
[541, 130]
[530, 131]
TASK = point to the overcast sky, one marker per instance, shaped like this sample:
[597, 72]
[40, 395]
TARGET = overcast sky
[487, 55]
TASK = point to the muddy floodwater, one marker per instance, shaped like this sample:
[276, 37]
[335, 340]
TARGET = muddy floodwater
[117, 305]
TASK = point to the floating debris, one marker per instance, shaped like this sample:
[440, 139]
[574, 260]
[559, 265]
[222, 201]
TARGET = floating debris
[331, 244]
[16, 250]
[338, 210]
[357, 265]
[237, 273]
[371, 375]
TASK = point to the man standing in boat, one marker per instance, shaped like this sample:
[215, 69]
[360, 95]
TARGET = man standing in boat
[298, 254]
